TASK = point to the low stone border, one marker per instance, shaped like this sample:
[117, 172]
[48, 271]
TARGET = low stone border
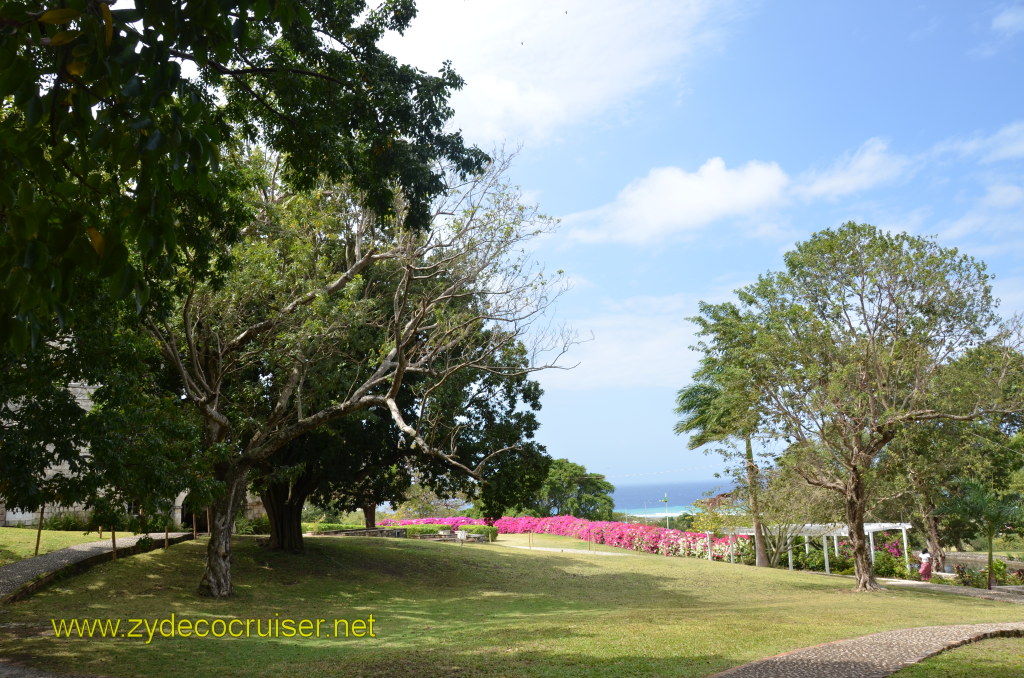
[25, 577]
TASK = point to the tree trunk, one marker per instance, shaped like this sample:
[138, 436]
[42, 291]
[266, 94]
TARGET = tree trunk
[216, 581]
[855, 509]
[39, 529]
[931, 524]
[369, 509]
[284, 502]
[760, 553]
[991, 573]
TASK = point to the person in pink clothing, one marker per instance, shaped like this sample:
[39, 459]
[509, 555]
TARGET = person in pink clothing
[926, 566]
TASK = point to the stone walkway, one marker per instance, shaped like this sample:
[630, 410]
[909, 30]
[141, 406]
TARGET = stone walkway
[874, 656]
[545, 548]
[33, 572]
[1004, 594]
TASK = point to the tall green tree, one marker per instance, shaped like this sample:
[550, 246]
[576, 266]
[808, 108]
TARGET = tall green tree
[929, 459]
[846, 346]
[569, 490]
[327, 311]
[110, 154]
[719, 405]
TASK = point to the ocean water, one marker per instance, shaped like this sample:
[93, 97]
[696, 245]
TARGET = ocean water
[649, 497]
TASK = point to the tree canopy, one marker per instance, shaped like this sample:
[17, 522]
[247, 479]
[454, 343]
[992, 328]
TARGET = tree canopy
[569, 490]
[849, 345]
[111, 151]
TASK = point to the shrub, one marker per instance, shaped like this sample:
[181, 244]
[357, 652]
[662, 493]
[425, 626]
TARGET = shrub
[66, 522]
[633, 536]
[966, 576]
[491, 532]
[259, 525]
[999, 569]
[888, 565]
[330, 527]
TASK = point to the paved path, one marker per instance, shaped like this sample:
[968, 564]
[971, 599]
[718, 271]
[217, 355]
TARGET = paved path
[22, 573]
[1003, 594]
[584, 551]
[874, 656]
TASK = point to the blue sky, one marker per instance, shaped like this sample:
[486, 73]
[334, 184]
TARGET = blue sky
[686, 146]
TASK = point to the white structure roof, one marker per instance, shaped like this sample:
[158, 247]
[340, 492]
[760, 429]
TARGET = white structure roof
[825, 530]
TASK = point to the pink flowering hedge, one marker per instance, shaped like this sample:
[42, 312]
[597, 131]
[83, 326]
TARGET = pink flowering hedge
[632, 536]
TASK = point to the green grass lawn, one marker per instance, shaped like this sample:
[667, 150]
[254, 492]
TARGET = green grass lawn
[994, 658]
[477, 610]
[20, 542]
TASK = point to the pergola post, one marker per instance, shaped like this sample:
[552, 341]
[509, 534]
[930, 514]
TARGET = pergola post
[871, 542]
[906, 552]
[828, 568]
[835, 539]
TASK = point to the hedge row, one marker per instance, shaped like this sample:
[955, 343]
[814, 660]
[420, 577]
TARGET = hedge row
[491, 532]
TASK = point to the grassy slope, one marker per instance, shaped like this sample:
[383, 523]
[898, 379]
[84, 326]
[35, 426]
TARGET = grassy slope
[444, 609]
[19, 542]
[996, 658]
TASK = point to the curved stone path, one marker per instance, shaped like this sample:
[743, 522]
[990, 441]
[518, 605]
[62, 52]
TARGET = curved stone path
[557, 550]
[874, 656]
[28, 573]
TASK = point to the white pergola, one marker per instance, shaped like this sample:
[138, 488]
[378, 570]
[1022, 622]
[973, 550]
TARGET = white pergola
[834, 530]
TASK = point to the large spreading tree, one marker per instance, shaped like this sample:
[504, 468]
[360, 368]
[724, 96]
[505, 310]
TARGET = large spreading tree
[846, 347]
[328, 310]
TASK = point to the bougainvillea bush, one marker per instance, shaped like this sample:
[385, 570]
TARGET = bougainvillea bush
[632, 536]
[650, 539]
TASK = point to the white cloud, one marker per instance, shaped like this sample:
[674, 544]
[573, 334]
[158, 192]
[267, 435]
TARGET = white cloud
[1009, 21]
[872, 164]
[635, 345]
[1010, 292]
[535, 68]
[1005, 144]
[638, 342]
[1003, 196]
[1006, 23]
[999, 211]
[670, 201]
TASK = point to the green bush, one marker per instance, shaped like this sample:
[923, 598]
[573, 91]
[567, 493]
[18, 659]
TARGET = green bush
[999, 569]
[815, 560]
[966, 576]
[259, 525]
[66, 522]
[328, 527]
[888, 565]
[491, 532]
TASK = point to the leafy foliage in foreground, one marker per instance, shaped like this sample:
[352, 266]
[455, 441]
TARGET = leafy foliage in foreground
[110, 159]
